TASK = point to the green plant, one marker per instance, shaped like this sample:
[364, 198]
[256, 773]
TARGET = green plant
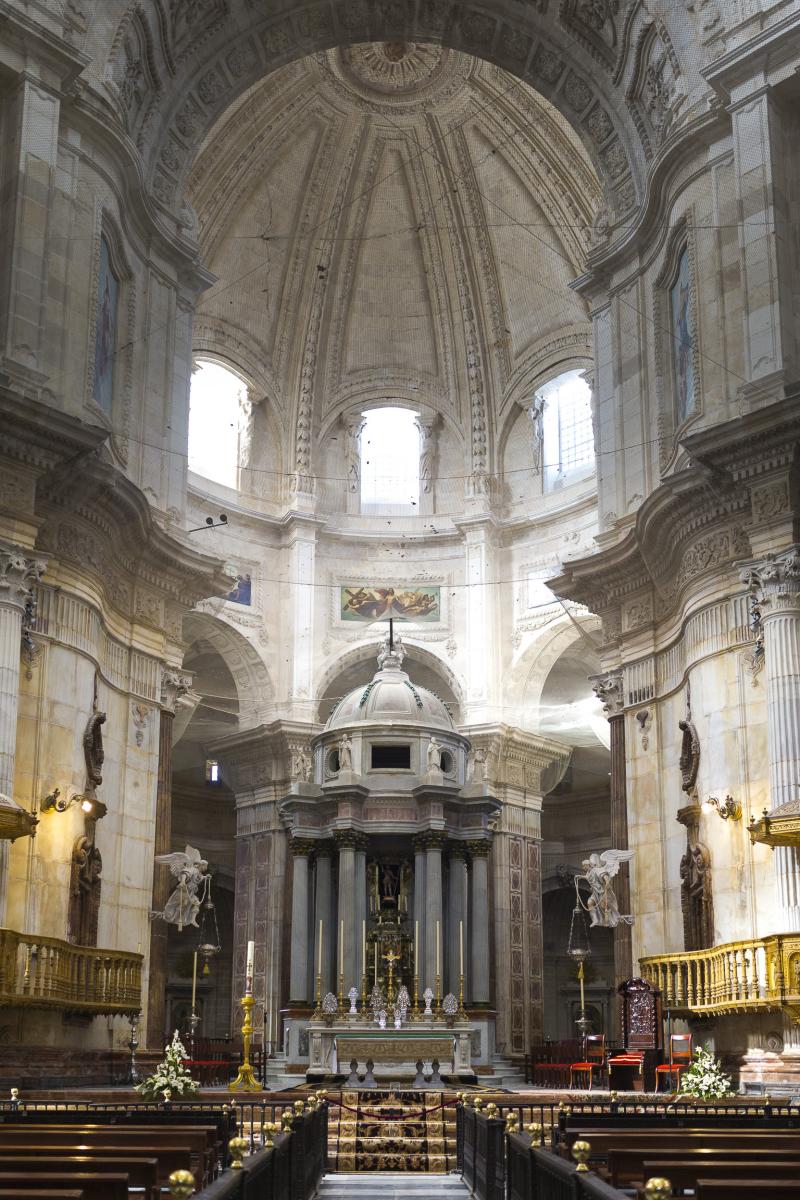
[705, 1078]
[170, 1076]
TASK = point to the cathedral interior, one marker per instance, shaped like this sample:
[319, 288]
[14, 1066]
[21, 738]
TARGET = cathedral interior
[399, 528]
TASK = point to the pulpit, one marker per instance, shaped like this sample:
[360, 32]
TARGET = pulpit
[634, 1068]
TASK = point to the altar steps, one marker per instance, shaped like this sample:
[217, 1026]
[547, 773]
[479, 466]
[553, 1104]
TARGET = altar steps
[392, 1187]
[391, 1132]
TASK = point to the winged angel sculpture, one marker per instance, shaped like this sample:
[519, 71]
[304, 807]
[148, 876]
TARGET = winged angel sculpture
[191, 871]
[599, 870]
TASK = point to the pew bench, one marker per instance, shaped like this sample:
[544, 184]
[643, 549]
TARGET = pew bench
[167, 1160]
[688, 1174]
[93, 1185]
[626, 1166]
[203, 1161]
[142, 1172]
[688, 1138]
[748, 1189]
[49, 1194]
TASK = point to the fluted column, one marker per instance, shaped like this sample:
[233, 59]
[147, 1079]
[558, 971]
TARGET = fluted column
[456, 914]
[420, 918]
[433, 905]
[346, 840]
[775, 582]
[359, 909]
[478, 956]
[18, 574]
[609, 689]
[324, 912]
[298, 961]
[174, 684]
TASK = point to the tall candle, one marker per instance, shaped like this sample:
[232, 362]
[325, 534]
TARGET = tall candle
[461, 947]
[438, 972]
[363, 947]
[376, 964]
[248, 987]
[194, 980]
[341, 947]
[416, 947]
[319, 951]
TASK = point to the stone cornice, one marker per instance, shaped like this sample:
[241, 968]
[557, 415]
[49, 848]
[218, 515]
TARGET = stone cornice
[20, 32]
[520, 761]
[775, 44]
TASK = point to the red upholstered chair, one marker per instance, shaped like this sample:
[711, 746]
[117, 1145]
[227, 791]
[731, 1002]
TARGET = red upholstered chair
[595, 1060]
[680, 1056]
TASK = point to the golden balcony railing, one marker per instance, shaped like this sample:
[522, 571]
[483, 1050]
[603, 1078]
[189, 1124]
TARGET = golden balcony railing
[763, 973]
[47, 973]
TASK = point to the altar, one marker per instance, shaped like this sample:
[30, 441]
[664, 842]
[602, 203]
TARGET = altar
[394, 1052]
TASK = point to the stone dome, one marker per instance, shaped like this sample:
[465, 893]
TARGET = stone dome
[391, 698]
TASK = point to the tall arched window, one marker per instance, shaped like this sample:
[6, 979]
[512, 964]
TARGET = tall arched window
[216, 410]
[567, 434]
[390, 459]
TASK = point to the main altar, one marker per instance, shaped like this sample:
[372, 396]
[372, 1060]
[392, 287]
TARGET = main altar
[415, 1054]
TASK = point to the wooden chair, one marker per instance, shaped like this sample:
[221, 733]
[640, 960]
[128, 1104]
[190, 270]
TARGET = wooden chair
[595, 1059]
[680, 1057]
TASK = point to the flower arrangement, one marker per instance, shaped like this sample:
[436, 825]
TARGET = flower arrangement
[171, 1077]
[705, 1078]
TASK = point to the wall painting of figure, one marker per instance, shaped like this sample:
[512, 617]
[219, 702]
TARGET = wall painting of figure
[683, 335]
[106, 331]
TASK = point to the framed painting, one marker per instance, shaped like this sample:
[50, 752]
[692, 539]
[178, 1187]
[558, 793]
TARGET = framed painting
[243, 592]
[403, 603]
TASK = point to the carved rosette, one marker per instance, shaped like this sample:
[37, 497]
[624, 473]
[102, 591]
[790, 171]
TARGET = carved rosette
[775, 581]
[609, 689]
[19, 573]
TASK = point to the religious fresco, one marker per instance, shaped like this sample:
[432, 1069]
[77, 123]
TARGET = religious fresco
[243, 592]
[381, 603]
[683, 334]
[106, 331]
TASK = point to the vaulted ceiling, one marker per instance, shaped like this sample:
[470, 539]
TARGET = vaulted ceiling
[388, 220]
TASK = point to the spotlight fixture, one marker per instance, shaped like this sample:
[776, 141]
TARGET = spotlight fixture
[56, 801]
[728, 809]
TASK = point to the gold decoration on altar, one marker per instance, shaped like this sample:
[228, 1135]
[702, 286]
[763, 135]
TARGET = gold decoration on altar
[395, 1049]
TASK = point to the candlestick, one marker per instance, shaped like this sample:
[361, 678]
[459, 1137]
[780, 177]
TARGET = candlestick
[415, 1011]
[363, 947]
[194, 980]
[341, 947]
[246, 1080]
[416, 947]
[319, 951]
[438, 963]
[461, 948]
[248, 986]
[376, 964]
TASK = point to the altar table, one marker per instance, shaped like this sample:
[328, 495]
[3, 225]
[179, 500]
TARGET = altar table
[393, 1051]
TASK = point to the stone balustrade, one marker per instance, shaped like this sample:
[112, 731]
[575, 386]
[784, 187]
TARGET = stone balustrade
[50, 973]
[762, 973]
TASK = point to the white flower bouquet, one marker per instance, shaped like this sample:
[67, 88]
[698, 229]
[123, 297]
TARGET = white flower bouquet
[171, 1078]
[705, 1078]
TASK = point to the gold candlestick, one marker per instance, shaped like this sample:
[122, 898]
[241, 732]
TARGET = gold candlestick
[462, 1012]
[364, 995]
[246, 1080]
[415, 1011]
[317, 1013]
[438, 1000]
[390, 958]
[341, 989]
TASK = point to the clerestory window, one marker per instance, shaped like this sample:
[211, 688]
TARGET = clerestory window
[390, 459]
[567, 434]
[217, 402]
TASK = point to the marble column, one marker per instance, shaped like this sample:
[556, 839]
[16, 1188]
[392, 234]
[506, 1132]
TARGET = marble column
[775, 582]
[456, 915]
[609, 689]
[420, 917]
[359, 909]
[478, 957]
[324, 912]
[346, 840]
[434, 842]
[298, 960]
[174, 684]
[18, 574]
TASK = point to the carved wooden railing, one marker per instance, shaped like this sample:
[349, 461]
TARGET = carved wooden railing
[763, 973]
[48, 973]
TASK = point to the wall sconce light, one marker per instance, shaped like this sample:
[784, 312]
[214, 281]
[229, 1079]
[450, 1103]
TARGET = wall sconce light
[728, 809]
[56, 801]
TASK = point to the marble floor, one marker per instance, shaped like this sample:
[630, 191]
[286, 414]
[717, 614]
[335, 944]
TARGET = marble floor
[393, 1187]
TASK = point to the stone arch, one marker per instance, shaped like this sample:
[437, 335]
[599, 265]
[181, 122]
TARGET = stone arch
[250, 675]
[364, 655]
[536, 659]
[206, 64]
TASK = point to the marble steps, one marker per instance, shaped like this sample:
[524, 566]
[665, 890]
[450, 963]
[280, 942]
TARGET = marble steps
[391, 1186]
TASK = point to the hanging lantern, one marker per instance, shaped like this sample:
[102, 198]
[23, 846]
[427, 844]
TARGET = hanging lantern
[209, 941]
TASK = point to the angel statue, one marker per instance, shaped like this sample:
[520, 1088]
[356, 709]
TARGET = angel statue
[599, 870]
[190, 870]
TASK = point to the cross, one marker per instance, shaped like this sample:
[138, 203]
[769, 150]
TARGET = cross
[391, 633]
[391, 958]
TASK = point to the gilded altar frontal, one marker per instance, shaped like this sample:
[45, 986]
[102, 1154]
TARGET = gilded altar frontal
[399, 552]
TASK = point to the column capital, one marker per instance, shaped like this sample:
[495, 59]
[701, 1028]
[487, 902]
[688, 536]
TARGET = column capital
[608, 688]
[479, 848]
[302, 847]
[350, 839]
[174, 685]
[457, 851]
[430, 839]
[775, 581]
[19, 571]
[324, 848]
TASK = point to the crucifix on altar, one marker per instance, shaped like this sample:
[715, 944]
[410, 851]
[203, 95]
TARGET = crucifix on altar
[390, 958]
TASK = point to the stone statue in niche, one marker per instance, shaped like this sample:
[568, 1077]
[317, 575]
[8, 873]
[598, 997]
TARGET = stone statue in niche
[84, 893]
[697, 902]
[93, 752]
[346, 753]
[434, 755]
[476, 766]
[689, 761]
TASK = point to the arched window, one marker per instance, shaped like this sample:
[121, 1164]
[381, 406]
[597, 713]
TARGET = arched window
[390, 459]
[567, 435]
[216, 409]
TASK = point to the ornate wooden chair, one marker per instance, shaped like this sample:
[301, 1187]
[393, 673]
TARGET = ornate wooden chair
[680, 1056]
[594, 1060]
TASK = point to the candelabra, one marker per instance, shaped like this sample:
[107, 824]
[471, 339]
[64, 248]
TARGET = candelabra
[438, 1002]
[246, 1080]
[133, 1046]
[462, 1012]
[364, 996]
[317, 1013]
[416, 1012]
[341, 990]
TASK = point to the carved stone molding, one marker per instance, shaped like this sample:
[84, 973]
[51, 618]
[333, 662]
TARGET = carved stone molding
[775, 580]
[174, 685]
[19, 572]
[610, 690]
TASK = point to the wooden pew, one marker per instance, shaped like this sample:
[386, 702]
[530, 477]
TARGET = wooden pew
[690, 1172]
[166, 1160]
[193, 1138]
[50, 1194]
[142, 1172]
[94, 1185]
[748, 1189]
[626, 1165]
[690, 1138]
